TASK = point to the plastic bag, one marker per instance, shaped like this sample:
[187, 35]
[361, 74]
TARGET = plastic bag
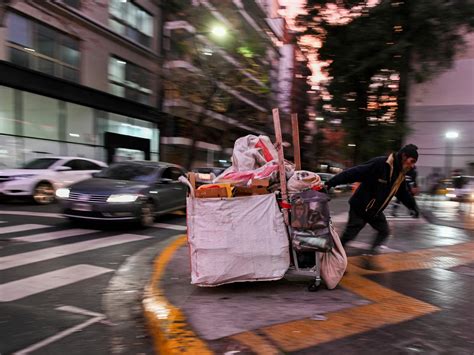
[307, 240]
[334, 262]
[303, 180]
[310, 210]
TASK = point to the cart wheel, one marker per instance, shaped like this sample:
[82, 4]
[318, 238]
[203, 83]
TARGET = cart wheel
[313, 286]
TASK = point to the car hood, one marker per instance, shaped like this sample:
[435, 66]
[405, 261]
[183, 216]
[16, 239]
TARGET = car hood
[15, 172]
[101, 186]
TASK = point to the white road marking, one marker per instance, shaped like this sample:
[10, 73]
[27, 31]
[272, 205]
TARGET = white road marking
[33, 214]
[170, 226]
[11, 261]
[21, 228]
[18, 289]
[58, 336]
[42, 237]
[78, 310]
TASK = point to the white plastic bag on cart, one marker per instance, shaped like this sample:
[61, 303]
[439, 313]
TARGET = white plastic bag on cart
[334, 262]
[236, 239]
[250, 153]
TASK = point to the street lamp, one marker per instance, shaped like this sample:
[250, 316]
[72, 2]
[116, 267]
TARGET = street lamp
[450, 137]
[218, 31]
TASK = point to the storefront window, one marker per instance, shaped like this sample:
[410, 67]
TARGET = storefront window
[40, 116]
[80, 124]
[7, 119]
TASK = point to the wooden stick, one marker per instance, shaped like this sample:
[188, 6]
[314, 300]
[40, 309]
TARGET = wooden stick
[281, 161]
[296, 141]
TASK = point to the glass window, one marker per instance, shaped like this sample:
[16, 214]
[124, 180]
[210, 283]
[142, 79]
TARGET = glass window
[172, 173]
[19, 57]
[80, 124]
[132, 21]
[75, 164]
[46, 40]
[42, 163]
[40, 116]
[128, 171]
[40, 47]
[19, 30]
[88, 165]
[129, 80]
[46, 66]
[7, 112]
[73, 3]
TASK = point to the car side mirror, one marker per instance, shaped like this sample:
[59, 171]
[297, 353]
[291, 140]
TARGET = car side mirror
[95, 174]
[63, 168]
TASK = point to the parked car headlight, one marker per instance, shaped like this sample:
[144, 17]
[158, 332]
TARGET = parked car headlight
[62, 193]
[123, 198]
[24, 176]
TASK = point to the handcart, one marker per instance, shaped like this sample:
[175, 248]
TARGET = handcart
[251, 238]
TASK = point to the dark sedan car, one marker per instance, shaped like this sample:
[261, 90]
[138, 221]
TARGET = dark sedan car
[126, 191]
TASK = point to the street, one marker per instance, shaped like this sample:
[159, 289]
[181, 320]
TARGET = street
[61, 288]
[78, 288]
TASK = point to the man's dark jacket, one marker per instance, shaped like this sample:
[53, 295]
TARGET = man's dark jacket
[380, 179]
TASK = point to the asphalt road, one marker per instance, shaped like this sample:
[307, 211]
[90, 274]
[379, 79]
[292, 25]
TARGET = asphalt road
[74, 289]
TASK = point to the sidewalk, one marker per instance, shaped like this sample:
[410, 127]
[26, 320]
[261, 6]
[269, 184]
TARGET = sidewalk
[420, 302]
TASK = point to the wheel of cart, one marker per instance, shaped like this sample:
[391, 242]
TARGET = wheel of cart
[314, 272]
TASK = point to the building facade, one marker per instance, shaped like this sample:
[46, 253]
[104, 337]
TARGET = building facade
[221, 77]
[445, 104]
[80, 78]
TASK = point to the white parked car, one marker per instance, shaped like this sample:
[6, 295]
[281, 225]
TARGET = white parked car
[41, 177]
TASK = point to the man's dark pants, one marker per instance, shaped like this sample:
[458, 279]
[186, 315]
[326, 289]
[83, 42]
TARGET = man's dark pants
[357, 222]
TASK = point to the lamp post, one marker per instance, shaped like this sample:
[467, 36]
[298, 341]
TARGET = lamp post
[450, 137]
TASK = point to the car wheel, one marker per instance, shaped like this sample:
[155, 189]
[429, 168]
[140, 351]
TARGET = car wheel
[43, 193]
[147, 214]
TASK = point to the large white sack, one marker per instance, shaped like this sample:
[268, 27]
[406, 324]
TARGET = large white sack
[236, 239]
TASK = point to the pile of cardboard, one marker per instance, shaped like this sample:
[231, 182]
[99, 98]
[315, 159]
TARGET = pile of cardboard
[226, 190]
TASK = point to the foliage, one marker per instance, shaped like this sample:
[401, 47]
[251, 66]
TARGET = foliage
[374, 51]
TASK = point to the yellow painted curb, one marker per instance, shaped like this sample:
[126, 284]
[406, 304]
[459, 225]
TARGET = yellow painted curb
[167, 324]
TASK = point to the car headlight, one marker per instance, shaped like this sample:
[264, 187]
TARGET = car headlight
[62, 193]
[123, 198]
[24, 176]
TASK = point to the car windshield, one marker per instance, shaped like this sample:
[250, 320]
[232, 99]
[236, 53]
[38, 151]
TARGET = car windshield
[131, 172]
[42, 163]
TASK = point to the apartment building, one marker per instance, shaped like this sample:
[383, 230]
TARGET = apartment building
[80, 78]
[221, 77]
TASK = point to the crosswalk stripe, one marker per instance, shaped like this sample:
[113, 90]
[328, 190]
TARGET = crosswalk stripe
[15, 290]
[43, 237]
[11, 261]
[21, 228]
[170, 226]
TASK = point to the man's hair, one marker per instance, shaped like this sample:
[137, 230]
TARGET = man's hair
[410, 150]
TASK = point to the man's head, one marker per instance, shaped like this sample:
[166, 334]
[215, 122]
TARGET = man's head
[408, 156]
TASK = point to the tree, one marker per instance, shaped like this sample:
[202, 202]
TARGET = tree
[212, 83]
[374, 52]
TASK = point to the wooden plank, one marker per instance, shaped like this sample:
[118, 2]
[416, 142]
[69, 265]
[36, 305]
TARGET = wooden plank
[281, 161]
[296, 140]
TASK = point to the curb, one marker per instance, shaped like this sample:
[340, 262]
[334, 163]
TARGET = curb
[167, 324]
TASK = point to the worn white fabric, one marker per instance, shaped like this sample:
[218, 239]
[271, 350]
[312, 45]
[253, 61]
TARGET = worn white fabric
[236, 239]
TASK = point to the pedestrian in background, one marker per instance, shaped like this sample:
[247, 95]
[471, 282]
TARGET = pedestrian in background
[380, 179]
